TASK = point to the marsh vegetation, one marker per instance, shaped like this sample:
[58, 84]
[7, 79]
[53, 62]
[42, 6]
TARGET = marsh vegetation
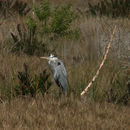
[78, 33]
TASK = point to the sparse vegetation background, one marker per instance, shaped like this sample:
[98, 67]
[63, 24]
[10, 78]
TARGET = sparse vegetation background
[78, 33]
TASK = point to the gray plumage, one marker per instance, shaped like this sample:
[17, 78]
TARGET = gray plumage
[59, 72]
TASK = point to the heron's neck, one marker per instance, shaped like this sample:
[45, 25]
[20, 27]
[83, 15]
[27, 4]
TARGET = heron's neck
[52, 60]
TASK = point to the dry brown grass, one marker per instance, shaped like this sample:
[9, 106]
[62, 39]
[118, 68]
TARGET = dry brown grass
[50, 113]
[82, 58]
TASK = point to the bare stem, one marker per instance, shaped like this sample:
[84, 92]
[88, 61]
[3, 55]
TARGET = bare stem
[102, 63]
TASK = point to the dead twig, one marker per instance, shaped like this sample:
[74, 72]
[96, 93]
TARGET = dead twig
[102, 63]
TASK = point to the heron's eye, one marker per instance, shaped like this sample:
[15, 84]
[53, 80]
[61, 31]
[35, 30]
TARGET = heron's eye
[59, 63]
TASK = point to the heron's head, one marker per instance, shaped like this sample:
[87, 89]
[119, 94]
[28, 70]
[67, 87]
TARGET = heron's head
[50, 58]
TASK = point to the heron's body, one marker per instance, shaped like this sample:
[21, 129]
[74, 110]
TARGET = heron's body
[59, 72]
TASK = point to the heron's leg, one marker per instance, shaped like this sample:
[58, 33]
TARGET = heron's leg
[60, 92]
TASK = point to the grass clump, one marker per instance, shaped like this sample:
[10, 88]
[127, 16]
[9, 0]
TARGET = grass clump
[115, 89]
[110, 8]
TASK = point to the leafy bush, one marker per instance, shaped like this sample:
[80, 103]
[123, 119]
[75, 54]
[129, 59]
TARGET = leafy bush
[62, 19]
[43, 11]
[112, 8]
[32, 38]
[57, 21]
[32, 85]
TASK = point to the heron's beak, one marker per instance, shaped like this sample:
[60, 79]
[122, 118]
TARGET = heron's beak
[44, 58]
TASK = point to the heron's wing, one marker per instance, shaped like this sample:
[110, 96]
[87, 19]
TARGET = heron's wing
[62, 67]
[60, 76]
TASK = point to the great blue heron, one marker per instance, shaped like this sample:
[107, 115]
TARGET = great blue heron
[59, 72]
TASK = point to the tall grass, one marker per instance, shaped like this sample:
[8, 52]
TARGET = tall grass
[66, 113]
[29, 98]
[81, 56]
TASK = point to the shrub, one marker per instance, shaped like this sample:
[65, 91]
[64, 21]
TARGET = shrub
[31, 85]
[57, 21]
[27, 40]
[62, 19]
[32, 38]
[43, 11]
